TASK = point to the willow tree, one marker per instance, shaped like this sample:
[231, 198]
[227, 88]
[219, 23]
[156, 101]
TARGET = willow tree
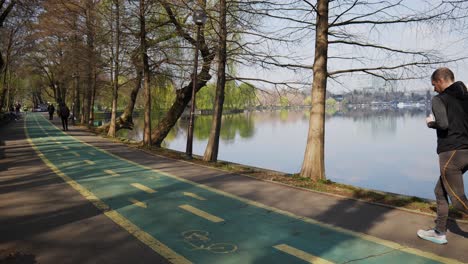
[184, 94]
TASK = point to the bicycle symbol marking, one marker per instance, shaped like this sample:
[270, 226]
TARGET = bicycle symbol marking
[199, 240]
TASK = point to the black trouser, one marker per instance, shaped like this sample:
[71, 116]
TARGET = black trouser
[64, 122]
[452, 166]
[51, 116]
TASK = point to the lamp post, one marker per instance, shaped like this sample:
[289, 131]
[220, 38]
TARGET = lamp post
[199, 17]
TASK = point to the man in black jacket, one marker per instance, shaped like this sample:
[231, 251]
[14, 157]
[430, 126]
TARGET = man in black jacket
[64, 113]
[450, 108]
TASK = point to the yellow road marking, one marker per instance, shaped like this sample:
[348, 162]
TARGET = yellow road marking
[75, 153]
[58, 142]
[111, 172]
[302, 254]
[138, 203]
[201, 213]
[143, 188]
[65, 147]
[131, 228]
[194, 196]
[91, 153]
[89, 162]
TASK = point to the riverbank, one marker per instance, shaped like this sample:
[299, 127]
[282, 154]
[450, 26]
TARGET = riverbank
[398, 201]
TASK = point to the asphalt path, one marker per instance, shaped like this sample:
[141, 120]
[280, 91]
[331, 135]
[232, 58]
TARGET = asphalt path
[178, 212]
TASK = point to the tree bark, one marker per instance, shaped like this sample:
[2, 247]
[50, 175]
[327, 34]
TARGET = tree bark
[93, 97]
[112, 128]
[125, 120]
[184, 95]
[86, 112]
[146, 76]
[6, 85]
[211, 151]
[313, 165]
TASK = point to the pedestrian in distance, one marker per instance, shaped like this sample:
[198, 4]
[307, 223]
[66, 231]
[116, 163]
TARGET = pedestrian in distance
[450, 120]
[51, 109]
[64, 113]
[17, 108]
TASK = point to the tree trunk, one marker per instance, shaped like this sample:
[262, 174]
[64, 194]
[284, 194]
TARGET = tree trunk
[5, 67]
[91, 67]
[6, 11]
[211, 152]
[76, 97]
[146, 76]
[126, 118]
[4, 94]
[313, 165]
[183, 97]
[93, 98]
[112, 127]
[83, 118]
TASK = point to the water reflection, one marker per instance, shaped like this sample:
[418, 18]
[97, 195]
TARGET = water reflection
[389, 150]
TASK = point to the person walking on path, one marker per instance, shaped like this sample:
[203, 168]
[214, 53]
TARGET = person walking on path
[17, 108]
[51, 109]
[450, 119]
[64, 113]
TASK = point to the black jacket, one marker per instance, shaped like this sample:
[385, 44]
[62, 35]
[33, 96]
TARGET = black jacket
[450, 110]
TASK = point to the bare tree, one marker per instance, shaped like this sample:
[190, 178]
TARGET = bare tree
[211, 151]
[355, 13]
[116, 39]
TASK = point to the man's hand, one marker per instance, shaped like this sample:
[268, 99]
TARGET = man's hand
[430, 121]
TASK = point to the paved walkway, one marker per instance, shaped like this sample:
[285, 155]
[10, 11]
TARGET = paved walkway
[77, 198]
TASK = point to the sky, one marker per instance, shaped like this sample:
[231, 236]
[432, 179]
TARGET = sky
[444, 38]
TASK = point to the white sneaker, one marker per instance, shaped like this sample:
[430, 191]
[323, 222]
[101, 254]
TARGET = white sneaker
[433, 236]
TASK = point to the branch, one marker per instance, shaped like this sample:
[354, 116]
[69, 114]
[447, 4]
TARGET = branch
[383, 68]
[6, 12]
[377, 47]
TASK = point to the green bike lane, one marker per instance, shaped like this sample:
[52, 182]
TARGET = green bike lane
[191, 223]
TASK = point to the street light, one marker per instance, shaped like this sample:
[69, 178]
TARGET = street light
[199, 18]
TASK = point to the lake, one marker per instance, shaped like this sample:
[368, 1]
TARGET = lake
[387, 150]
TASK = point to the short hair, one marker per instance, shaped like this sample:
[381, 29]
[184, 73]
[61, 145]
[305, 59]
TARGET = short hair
[443, 74]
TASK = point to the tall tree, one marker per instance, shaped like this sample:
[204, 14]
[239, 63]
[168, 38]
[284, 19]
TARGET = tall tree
[5, 9]
[211, 151]
[314, 161]
[116, 61]
[87, 112]
[183, 95]
[349, 15]
[146, 75]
